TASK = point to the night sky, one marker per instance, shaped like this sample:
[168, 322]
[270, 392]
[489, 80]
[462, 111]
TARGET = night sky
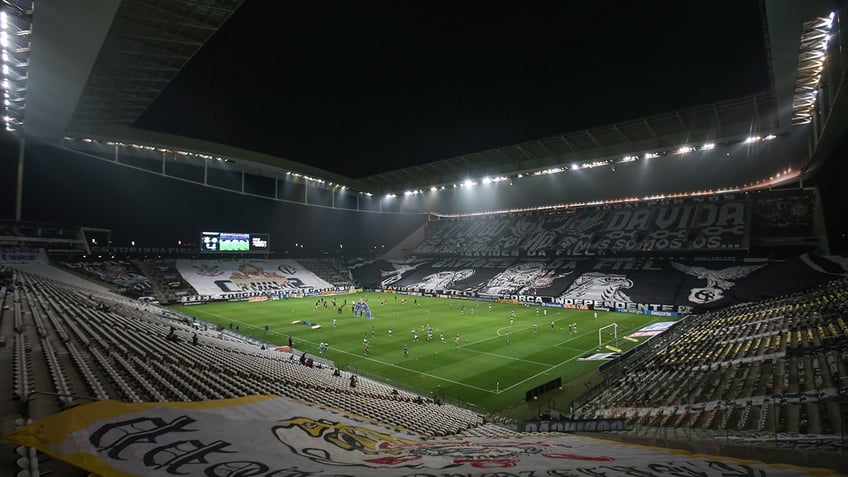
[359, 88]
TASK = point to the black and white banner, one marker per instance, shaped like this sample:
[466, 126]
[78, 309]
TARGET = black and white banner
[680, 225]
[656, 285]
[237, 277]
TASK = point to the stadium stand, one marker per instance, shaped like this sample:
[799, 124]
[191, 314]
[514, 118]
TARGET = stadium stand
[331, 270]
[100, 345]
[121, 274]
[166, 281]
[777, 366]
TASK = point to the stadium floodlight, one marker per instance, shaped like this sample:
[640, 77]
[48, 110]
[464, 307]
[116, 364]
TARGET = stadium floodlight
[751, 139]
[708, 146]
[486, 180]
[815, 37]
[434, 189]
[685, 149]
[469, 183]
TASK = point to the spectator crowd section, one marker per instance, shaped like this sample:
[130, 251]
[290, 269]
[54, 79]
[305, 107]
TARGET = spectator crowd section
[778, 366]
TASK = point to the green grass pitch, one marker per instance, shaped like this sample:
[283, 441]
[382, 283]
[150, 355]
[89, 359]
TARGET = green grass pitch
[485, 369]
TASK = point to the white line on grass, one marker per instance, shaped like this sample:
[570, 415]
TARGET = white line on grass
[547, 370]
[405, 369]
[511, 358]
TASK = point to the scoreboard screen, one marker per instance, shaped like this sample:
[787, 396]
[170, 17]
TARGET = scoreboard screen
[234, 242]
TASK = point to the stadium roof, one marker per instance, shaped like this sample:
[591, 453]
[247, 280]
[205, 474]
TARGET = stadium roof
[96, 75]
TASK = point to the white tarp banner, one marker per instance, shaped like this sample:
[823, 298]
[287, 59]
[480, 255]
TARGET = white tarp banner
[217, 277]
[276, 436]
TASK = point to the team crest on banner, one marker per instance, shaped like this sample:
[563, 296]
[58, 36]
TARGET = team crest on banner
[718, 281]
[705, 295]
[206, 270]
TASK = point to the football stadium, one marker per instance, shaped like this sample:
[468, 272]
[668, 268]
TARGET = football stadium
[458, 238]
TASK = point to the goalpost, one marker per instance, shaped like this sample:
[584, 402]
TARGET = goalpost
[614, 327]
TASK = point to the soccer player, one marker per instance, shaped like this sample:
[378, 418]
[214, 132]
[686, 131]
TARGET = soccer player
[390, 330]
[366, 348]
[507, 337]
[405, 351]
[552, 325]
[535, 328]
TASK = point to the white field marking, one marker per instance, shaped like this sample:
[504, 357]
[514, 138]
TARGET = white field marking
[511, 358]
[405, 369]
[543, 372]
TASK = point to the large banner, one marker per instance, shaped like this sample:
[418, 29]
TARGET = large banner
[656, 286]
[117, 272]
[240, 277]
[674, 225]
[275, 436]
[22, 255]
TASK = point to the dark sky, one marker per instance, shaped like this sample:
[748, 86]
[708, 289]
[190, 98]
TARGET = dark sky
[359, 88]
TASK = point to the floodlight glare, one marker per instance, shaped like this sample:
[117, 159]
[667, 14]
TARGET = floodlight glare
[708, 146]
[434, 189]
[468, 183]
